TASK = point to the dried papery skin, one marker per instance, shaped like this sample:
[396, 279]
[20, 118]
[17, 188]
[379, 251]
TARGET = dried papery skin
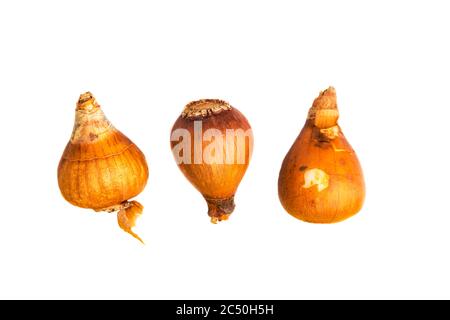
[217, 182]
[126, 217]
[100, 169]
[321, 180]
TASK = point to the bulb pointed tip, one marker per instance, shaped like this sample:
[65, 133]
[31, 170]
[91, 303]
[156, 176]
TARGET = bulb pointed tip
[329, 92]
[87, 102]
[85, 97]
[326, 99]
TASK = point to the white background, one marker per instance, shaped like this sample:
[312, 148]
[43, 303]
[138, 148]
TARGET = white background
[389, 62]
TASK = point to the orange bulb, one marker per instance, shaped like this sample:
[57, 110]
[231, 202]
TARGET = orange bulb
[321, 180]
[212, 144]
[101, 168]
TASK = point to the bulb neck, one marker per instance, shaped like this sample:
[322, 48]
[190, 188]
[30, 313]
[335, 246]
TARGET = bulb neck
[324, 112]
[90, 122]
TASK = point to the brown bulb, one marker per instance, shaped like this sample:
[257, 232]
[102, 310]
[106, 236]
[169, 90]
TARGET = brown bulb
[212, 143]
[321, 180]
[101, 169]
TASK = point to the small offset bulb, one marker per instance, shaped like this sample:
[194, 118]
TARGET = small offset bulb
[321, 180]
[101, 169]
